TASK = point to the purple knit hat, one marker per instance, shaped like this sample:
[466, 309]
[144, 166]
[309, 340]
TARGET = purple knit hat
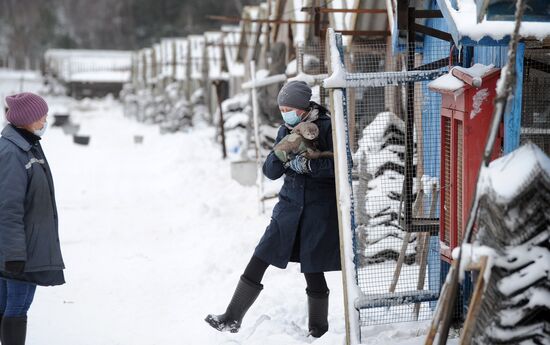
[25, 108]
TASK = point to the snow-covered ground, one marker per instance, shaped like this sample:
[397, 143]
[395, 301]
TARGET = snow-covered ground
[155, 236]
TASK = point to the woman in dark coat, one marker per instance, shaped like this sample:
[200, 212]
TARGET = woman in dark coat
[30, 253]
[304, 224]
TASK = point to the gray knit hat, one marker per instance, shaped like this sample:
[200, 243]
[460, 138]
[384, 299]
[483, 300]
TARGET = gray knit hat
[295, 94]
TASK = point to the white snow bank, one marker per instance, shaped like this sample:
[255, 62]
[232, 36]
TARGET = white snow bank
[101, 77]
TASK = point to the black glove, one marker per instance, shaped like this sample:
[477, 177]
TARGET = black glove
[15, 266]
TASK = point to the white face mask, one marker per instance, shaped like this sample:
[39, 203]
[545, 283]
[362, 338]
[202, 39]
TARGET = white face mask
[40, 132]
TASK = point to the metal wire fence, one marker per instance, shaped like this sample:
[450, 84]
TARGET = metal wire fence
[535, 119]
[311, 60]
[394, 137]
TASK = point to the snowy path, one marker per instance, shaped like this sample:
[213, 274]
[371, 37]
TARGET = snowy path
[155, 236]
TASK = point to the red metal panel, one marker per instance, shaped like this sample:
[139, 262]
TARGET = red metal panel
[465, 123]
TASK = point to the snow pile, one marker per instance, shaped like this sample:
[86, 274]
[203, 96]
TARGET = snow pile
[513, 233]
[169, 109]
[381, 163]
[237, 116]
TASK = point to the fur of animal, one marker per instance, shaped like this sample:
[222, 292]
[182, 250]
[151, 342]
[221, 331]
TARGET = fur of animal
[300, 141]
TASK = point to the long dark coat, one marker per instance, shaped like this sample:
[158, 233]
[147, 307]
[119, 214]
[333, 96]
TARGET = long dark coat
[304, 224]
[28, 212]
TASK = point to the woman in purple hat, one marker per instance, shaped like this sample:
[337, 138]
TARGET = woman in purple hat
[30, 253]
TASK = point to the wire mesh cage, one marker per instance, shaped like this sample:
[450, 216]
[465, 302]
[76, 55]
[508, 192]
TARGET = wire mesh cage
[310, 60]
[394, 138]
[535, 117]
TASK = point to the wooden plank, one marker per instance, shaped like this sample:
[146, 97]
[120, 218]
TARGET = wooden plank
[442, 308]
[361, 32]
[344, 10]
[337, 179]
[391, 299]
[248, 20]
[475, 302]
[442, 35]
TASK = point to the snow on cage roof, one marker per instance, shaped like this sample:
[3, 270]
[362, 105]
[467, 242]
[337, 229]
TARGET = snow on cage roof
[466, 30]
[449, 83]
[231, 41]
[79, 64]
[196, 44]
[214, 55]
[507, 176]
[181, 46]
[299, 29]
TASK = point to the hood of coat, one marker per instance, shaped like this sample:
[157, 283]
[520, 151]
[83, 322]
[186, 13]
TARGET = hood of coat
[11, 134]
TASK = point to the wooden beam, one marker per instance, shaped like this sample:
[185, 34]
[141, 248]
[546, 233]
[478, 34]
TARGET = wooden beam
[360, 32]
[428, 14]
[345, 10]
[442, 35]
[248, 20]
[539, 65]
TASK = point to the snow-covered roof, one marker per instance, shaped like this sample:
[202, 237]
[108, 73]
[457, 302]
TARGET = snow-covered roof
[450, 83]
[299, 30]
[65, 63]
[167, 47]
[466, 30]
[214, 55]
[182, 46]
[231, 41]
[196, 44]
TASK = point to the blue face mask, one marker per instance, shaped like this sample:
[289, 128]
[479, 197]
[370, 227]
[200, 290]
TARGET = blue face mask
[291, 118]
[40, 132]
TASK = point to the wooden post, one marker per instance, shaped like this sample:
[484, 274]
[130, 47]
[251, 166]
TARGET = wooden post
[340, 172]
[469, 324]
[218, 86]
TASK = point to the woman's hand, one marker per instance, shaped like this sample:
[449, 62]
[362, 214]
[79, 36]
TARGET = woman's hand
[300, 165]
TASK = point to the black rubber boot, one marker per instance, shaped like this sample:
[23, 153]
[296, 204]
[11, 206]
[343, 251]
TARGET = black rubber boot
[14, 330]
[317, 305]
[245, 294]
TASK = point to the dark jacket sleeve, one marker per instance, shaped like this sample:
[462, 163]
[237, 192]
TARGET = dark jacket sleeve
[13, 186]
[273, 168]
[324, 167]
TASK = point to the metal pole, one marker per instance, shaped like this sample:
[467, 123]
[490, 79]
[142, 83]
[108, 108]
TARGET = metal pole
[409, 125]
[255, 110]
[217, 84]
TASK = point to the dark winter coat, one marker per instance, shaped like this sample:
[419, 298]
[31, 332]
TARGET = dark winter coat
[304, 223]
[28, 212]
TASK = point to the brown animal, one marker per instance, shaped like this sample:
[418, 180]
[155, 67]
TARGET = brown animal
[301, 141]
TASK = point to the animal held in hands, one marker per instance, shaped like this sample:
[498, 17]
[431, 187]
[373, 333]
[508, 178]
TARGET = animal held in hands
[300, 141]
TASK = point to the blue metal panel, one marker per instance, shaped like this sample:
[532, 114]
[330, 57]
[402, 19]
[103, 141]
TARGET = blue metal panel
[496, 55]
[512, 117]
